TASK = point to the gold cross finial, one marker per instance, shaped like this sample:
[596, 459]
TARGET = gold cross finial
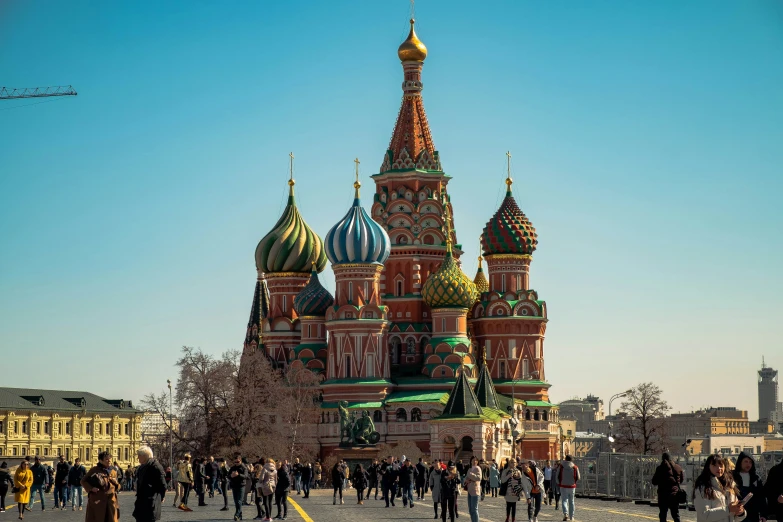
[291, 181]
[357, 183]
[509, 181]
[480, 258]
[413, 10]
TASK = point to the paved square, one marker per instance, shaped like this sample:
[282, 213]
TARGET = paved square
[319, 508]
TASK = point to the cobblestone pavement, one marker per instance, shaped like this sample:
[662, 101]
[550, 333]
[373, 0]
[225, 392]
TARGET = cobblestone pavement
[319, 508]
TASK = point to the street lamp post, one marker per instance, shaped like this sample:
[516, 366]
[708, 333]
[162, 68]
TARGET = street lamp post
[171, 427]
[610, 485]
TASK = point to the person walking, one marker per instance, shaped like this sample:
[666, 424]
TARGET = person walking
[318, 474]
[185, 480]
[338, 475]
[60, 485]
[150, 486]
[40, 480]
[494, 479]
[407, 480]
[200, 480]
[388, 477]
[555, 486]
[268, 484]
[748, 481]
[282, 488]
[547, 482]
[473, 485]
[23, 482]
[359, 481]
[102, 484]
[223, 480]
[75, 476]
[715, 493]
[421, 479]
[5, 481]
[210, 476]
[668, 477]
[511, 489]
[307, 476]
[534, 488]
[567, 478]
[237, 478]
[449, 487]
[434, 484]
[297, 469]
[774, 490]
[372, 473]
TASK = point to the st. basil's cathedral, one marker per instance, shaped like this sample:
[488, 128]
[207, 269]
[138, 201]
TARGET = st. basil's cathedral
[434, 357]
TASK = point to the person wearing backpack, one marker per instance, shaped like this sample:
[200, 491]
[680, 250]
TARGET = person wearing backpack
[668, 477]
[567, 478]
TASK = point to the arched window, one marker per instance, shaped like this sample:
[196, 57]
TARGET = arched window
[415, 415]
[545, 415]
[377, 416]
[527, 414]
[536, 416]
[395, 345]
[410, 347]
[402, 415]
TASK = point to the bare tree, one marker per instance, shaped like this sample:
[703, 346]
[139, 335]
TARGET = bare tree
[641, 424]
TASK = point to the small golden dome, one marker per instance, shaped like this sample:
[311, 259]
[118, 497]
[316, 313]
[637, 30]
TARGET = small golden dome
[412, 49]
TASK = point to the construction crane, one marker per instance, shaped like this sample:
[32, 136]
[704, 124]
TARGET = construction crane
[7, 93]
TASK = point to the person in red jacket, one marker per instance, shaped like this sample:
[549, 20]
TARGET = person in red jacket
[567, 478]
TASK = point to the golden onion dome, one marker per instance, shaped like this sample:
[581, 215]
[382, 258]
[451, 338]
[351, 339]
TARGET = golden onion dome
[412, 49]
[449, 287]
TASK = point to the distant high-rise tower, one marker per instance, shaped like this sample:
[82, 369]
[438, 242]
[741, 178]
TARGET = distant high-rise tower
[768, 393]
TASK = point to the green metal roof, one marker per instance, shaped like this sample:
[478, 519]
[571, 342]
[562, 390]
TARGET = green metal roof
[451, 341]
[352, 405]
[462, 401]
[26, 399]
[355, 381]
[521, 382]
[539, 403]
[485, 390]
[416, 396]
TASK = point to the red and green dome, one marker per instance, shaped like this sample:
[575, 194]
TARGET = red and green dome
[509, 231]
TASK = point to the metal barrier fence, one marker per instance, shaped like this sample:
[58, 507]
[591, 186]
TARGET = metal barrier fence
[625, 475]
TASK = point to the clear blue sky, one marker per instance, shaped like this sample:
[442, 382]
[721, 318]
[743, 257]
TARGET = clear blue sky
[648, 152]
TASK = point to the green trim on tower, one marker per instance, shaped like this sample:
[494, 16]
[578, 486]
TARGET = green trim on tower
[509, 231]
[485, 389]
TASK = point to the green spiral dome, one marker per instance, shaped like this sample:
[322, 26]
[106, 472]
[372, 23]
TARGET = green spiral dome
[291, 246]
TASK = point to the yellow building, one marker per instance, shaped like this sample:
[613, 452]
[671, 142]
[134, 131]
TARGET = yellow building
[49, 423]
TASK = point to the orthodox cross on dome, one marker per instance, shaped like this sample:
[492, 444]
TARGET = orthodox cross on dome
[509, 181]
[291, 181]
[447, 219]
[357, 184]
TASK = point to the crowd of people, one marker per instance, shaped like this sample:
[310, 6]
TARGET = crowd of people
[723, 491]
[516, 480]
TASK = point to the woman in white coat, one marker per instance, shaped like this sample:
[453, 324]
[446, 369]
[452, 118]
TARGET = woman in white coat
[715, 493]
[512, 489]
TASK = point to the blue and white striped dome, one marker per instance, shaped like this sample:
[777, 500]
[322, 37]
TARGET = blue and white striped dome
[357, 238]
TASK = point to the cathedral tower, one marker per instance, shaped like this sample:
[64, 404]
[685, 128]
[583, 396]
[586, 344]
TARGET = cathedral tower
[410, 202]
[358, 361]
[284, 259]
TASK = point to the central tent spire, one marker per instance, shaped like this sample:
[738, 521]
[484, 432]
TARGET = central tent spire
[411, 146]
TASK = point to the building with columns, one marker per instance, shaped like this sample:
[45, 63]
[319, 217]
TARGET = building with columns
[436, 357]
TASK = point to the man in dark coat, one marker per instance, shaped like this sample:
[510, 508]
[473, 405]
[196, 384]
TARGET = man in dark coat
[61, 483]
[388, 478]
[75, 477]
[150, 487]
[421, 479]
[237, 477]
[774, 490]
[668, 477]
[307, 476]
[200, 480]
[407, 477]
[40, 479]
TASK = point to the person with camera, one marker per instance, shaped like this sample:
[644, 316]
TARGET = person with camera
[668, 477]
[715, 494]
